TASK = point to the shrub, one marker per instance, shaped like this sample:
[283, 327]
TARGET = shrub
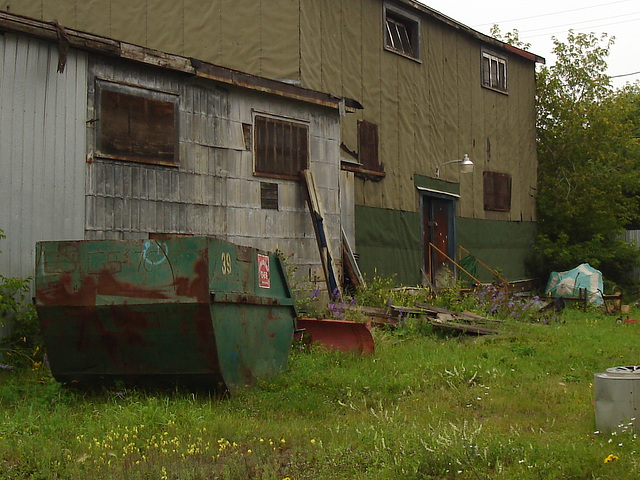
[22, 346]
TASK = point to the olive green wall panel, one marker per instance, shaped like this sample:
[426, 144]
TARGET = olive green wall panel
[499, 244]
[390, 242]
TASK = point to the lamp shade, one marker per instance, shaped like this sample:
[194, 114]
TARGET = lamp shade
[466, 165]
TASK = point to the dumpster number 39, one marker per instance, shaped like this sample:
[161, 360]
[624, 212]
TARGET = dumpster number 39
[226, 263]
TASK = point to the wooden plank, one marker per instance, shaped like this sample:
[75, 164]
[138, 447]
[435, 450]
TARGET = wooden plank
[380, 316]
[464, 328]
[351, 264]
[317, 218]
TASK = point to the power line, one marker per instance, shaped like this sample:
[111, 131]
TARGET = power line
[553, 13]
[578, 23]
[624, 75]
[592, 27]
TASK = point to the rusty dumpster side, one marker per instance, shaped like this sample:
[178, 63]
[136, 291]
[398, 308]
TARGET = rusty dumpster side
[187, 309]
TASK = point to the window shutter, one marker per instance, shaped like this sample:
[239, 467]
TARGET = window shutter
[497, 191]
[281, 147]
[368, 145]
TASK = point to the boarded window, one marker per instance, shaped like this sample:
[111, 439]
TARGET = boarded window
[497, 191]
[137, 125]
[368, 146]
[402, 32]
[494, 72]
[281, 147]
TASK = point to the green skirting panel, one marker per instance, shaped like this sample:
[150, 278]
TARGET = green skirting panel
[499, 244]
[389, 242]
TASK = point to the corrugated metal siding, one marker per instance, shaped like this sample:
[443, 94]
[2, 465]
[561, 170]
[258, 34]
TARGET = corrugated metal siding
[42, 149]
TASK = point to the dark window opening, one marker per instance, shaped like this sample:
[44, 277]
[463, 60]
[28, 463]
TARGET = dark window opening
[281, 147]
[137, 125]
[494, 72]
[246, 133]
[497, 191]
[401, 33]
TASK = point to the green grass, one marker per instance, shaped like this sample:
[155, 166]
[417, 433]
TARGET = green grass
[518, 405]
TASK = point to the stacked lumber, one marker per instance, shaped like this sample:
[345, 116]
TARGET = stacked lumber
[464, 322]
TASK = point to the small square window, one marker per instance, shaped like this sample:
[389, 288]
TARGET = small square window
[494, 72]
[136, 124]
[497, 191]
[401, 32]
[281, 147]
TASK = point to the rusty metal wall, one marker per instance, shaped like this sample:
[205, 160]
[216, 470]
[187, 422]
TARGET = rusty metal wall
[213, 191]
[42, 149]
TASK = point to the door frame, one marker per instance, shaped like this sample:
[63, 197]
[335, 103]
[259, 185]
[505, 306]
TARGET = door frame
[426, 216]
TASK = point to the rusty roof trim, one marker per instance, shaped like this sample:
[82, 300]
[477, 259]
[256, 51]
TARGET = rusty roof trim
[97, 44]
[262, 84]
[420, 7]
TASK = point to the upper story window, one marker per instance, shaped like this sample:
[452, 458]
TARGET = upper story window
[494, 71]
[281, 147]
[402, 32]
[136, 124]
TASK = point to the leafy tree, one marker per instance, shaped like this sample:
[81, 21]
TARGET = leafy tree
[588, 172]
[512, 37]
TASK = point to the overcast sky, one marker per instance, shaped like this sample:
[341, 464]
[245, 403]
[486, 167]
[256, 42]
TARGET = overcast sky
[538, 21]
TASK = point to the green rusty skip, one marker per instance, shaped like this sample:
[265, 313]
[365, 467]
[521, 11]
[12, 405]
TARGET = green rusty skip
[186, 309]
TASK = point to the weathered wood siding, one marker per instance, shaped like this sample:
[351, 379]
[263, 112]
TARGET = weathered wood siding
[213, 190]
[42, 149]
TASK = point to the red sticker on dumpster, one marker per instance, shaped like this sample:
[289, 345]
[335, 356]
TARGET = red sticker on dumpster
[263, 271]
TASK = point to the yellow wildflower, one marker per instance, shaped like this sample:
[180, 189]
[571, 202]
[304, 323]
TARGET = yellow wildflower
[611, 458]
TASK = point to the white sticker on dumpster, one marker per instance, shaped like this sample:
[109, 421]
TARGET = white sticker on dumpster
[263, 271]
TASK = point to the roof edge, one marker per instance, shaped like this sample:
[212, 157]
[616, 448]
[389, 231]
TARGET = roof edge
[473, 33]
[54, 32]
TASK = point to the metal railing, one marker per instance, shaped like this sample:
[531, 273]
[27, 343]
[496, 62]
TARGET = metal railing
[460, 268]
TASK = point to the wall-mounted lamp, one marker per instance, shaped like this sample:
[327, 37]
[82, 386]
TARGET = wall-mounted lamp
[466, 165]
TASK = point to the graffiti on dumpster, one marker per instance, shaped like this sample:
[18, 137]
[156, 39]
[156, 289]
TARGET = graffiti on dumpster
[154, 253]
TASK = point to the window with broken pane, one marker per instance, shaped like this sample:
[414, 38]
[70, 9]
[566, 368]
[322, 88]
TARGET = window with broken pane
[401, 32]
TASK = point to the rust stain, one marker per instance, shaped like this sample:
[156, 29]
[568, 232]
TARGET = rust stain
[205, 335]
[270, 323]
[198, 287]
[108, 285]
[62, 291]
